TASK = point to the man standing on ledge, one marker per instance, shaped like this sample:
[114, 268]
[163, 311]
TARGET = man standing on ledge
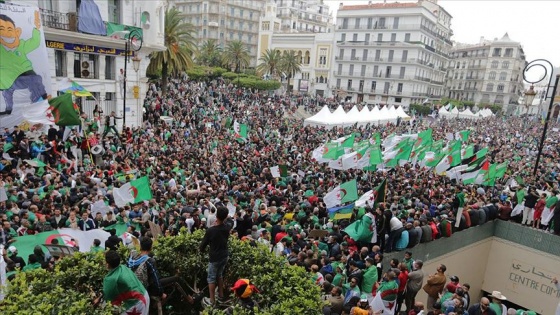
[217, 237]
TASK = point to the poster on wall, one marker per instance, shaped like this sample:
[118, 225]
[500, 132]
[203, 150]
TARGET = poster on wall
[25, 82]
[303, 85]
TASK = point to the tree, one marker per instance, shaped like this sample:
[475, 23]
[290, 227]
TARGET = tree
[209, 54]
[180, 45]
[270, 61]
[236, 55]
[290, 64]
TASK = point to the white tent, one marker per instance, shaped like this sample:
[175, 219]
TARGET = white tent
[466, 114]
[363, 119]
[318, 119]
[454, 111]
[353, 115]
[443, 112]
[401, 113]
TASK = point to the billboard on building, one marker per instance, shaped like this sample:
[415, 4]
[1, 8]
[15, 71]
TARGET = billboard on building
[25, 80]
[303, 85]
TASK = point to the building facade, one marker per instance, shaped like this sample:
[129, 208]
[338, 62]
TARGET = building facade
[315, 51]
[391, 53]
[94, 61]
[224, 21]
[304, 16]
[490, 72]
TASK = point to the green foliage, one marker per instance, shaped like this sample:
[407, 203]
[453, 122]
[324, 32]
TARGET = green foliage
[496, 109]
[66, 290]
[421, 109]
[236, 55]
[251, 81]
[209, 54]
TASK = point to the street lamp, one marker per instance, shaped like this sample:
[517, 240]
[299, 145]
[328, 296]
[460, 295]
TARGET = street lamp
[133, 43]
[529, 97]
[543, 64]
[136, 62]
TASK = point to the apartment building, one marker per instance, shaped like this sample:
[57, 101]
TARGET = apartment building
[304, 16]
[315, 51]
[489, 72]
[224, 21]
[94, 61]
[391, 53]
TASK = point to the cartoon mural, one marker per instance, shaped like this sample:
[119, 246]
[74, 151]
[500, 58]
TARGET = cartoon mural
[25, 81]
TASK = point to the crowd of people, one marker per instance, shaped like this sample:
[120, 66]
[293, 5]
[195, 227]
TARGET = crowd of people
[196, 167]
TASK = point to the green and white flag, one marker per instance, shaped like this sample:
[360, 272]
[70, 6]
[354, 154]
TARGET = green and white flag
[279, 171]
[133, 192]
[240, 131]
[344, 192]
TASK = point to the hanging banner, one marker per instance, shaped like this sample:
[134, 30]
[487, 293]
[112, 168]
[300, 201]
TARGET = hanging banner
[24, 68]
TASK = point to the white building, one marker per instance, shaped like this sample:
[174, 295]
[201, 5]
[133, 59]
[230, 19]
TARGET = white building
[392, 53]
[314, 49]
[94, 61]
[490, 72]
[304, 16]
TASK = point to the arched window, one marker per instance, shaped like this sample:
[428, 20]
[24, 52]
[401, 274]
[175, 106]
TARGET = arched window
[492, 76]
[503, 76]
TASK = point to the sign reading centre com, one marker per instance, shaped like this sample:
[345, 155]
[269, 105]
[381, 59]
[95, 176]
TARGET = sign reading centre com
[527, 275]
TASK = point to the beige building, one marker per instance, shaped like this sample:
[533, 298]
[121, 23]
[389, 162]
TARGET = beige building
[225, 21]
[315, 51]
[392, 53]
[490, 72]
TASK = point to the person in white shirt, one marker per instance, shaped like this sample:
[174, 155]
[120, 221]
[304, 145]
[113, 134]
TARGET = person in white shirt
[396, 229]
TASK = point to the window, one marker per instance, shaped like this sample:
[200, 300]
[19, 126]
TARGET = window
[109, 96]
[343, 37]
[205, 7]
[492, 76]
[403, 71]
[407, 37]
[382, 22]
[355, 37]
[393, 37]
[398, 99]
[361, 86]
[230, 35]
[509, 52]
[353, 54]
[373, 85]
[339, 69]
[114, 7]
[204, 33]
[505, 65]
[250, 38]
[494, 64]
[204, 22]
[239, 35]
[60, 63]
[399, 88]
[388, 72]
[265, 25]
[369, 23]
[338, 83]
[110, 68]
[404, 56]
[341, 54]
[386, 87]
[379, 37]
[497, 52]
[503, 76]
[391, 54]
[500, 87]
[351, 71]
[232, 11]
[396, 23]
[490, 87]
[241, 12]
[367, 38]
[345, 23]
[364, 55]
[363, 72]
[357, 25]
[349, 85]
[251, 15]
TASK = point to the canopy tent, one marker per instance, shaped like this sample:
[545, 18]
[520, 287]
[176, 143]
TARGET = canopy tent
[318, 119]
[467, 114]
[340, 118]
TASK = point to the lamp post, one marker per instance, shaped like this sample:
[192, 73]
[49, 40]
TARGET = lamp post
[529, 97]
[133, 43]
[543, 64]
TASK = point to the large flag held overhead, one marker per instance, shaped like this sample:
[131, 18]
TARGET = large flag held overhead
[133, 192]
[279, 171]
[344, 212]
[361, 230]
[240, 131]
[342, 193]
[64, 111]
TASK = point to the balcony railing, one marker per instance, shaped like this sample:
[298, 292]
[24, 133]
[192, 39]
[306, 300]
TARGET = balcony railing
[59, 20]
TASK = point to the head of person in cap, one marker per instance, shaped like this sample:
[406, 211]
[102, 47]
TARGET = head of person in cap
[244, 290]
[497, 299]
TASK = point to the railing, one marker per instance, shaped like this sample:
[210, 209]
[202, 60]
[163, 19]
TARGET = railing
[107, 106]
[59, 20]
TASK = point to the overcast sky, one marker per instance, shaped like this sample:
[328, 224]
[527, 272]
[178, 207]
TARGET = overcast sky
[533, 23]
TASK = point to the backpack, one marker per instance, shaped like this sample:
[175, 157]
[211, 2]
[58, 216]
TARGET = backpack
[141, 271]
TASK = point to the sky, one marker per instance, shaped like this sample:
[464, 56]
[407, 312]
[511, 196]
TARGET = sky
[533, 23]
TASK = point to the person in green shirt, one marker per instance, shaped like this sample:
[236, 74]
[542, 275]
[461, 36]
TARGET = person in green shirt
[32, 263]
[408, 260]
[370, 279]
[17, 69]
[96, 247]
[497, 302]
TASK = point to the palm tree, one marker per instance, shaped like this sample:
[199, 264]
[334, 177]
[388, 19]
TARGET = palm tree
[210, 54]
[236, 55]
[290, 64]
[180, 44]
[270, 61]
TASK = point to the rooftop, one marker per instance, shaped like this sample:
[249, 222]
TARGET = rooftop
[392, 5]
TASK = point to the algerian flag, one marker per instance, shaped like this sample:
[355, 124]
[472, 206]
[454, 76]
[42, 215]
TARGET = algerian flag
[367, 198]
[375, 139]
[361, 230]
[467, 152]
[332, 151]
[35, 162]
[279, 171]
[344, 192]
[348, 142]
[477, 175]
[317, 155]
[375, 157]
[240, 131]
[349, 160]
[384, 302]
[424, 137]
[481, 153]
[500, 170]
[364, 161]
[336, 164]
[133, 192]
[463, 135]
